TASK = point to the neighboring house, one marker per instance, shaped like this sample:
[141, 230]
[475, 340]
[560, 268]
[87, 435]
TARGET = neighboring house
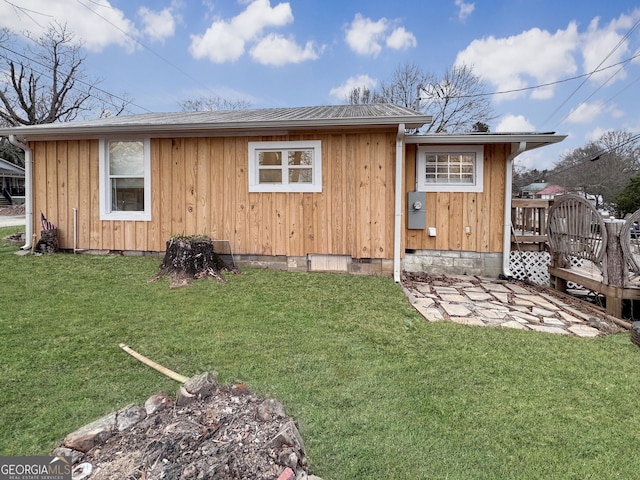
[11, 181]
[531, 190]
[309, 188]
[550, 192]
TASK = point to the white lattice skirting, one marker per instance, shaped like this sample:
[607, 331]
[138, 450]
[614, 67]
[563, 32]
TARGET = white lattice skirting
[534, 267]
[531, 266]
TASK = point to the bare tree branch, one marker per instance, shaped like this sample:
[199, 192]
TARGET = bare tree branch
[455, 101]
[46, 81]
[212, 104]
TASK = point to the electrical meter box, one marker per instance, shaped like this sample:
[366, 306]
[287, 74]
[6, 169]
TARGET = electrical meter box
[416, 211]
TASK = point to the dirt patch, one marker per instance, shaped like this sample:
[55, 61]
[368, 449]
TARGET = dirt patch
[231, 434]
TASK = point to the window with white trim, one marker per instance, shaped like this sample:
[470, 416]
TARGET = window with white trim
[294, 166]
[449, 168]
[125, 179]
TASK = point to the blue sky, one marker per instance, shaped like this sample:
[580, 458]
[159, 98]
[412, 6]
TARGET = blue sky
[273, 53]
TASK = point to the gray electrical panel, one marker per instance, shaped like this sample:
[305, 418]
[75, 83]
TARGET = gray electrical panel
[416, 211]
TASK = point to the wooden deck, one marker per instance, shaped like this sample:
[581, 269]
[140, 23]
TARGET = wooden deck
[591, 278]
[529, 220]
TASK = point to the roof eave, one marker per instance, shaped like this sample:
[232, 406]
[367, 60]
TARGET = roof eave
[533, 140]
[36, 132]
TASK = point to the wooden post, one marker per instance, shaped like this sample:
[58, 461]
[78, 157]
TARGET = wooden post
[614, 269]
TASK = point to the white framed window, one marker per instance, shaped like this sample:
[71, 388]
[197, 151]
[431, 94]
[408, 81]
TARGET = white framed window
[294, 166]
[449, 168]
[125, 179]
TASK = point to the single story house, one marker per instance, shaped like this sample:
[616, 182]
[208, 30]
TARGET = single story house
[343, 188]
[11, 182]
[530, 191]
[551, 191]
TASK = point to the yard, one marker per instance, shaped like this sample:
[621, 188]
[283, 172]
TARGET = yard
[377, 391]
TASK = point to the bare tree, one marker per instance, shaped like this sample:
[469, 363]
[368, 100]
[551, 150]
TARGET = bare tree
[404, 87]
[601, 168]
[45, 82]
[212, 104]
[360, 96]
[457, 102]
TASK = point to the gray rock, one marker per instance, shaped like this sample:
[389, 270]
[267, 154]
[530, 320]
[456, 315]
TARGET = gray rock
[290, 436]
[288, 458]
[129, 416]
[95, 433]
[157, 402]
[270, 409]
[203, 385]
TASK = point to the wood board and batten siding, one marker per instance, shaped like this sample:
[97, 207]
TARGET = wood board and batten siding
[451, 212]
[200, 186]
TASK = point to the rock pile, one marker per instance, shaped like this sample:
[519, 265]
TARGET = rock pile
[208, 432]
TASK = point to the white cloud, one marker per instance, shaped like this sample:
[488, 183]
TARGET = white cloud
[258, 15]
[595, 134]
[464, 9]
[158, 26]
[226, 40]
[514, 123]
[535, 57]
[606, 46]
[96, 25]
[400, 39]
[220, 43]
[366, 37]
[510, 63]
[277, 50]
[585, 112]
[341, 92]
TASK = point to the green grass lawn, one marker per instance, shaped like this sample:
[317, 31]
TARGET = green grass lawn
[377, 391]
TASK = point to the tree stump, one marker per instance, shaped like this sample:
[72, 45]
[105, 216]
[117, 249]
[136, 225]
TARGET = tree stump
[48, 242]
[190, 257]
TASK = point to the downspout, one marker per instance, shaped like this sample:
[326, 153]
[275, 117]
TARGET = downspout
[506, 243]
[397, 227]
[28, 192]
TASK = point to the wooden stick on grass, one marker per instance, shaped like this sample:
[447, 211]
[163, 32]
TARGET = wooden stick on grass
[169, 373]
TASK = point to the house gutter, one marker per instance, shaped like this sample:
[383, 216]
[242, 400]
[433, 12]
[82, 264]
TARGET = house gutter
[506, 243]
[397, 227]
[28, 192]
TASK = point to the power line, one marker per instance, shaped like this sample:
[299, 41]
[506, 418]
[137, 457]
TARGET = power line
[79, 80]
[27, 12]
[592, 94]
[549, 84]
[599, 154]
[149, 49]
[557, 109]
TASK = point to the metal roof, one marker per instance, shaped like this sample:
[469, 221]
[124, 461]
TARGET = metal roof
[8, 169]
[226, 122]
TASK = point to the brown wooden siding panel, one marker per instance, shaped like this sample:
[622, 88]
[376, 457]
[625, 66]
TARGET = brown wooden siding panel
[450, 213]
[200, 185]
[51, 209]
[96, 240]
[190, 162]
[336, 171]
[498, 188]
[62, 201]
[350, 196]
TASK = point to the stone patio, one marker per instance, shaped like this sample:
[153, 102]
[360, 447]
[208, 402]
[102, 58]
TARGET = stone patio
[475, 301]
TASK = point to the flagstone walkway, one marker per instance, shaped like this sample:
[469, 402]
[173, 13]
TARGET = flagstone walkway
[493, 303]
